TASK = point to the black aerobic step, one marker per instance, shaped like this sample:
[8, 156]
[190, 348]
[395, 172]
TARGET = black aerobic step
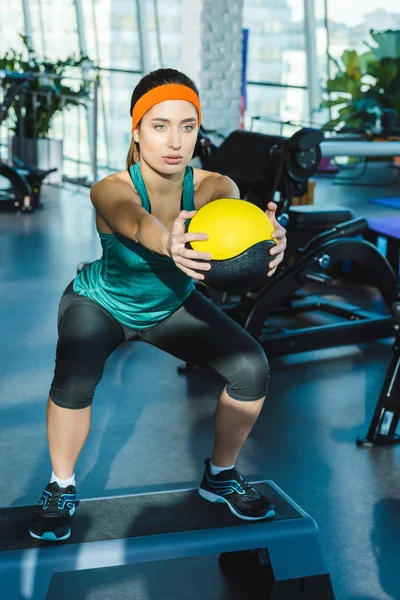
[143, 528]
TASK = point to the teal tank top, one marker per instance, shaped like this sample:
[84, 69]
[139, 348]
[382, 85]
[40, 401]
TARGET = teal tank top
[140, 288]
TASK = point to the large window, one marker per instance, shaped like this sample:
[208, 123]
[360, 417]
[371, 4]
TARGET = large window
[111, 33]
[164, 22]
[349, 23]
[11, 24]
[341, 25]
[276, 70]
[54, 28]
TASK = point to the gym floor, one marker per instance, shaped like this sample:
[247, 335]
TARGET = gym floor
[152, 428]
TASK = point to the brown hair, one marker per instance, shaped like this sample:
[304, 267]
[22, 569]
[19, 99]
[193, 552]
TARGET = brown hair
[147, 83]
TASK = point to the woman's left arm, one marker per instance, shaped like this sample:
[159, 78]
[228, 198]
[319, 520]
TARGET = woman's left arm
[223, 187]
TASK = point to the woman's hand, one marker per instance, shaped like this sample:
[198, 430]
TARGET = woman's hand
[176, 247]
[280, 236]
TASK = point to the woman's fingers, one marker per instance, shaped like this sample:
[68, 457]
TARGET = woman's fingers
[192, 237]
[197, 255]
[191, 273]
[192, 264]
[178, 227]
[279, 248]
[277, 261]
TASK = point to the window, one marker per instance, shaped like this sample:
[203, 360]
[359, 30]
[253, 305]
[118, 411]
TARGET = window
[276, 55]
[112, 33]
[54, 28]
[11, 24]
[349, 22]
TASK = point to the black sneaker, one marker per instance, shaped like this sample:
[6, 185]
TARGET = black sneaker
[230, 487]
[52, 517]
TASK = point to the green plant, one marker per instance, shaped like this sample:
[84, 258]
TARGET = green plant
[55, 89]
[365, 84]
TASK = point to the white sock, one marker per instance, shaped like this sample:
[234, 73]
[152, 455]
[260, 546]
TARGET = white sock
[63, 483]
[215, 470]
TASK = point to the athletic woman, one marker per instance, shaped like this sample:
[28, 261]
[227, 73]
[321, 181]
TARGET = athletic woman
[142, 289]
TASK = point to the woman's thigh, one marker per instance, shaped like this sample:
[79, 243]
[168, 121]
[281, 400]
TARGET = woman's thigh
[87, 335]
[202, 333]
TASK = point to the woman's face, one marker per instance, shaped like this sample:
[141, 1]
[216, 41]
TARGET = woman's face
[167, 136]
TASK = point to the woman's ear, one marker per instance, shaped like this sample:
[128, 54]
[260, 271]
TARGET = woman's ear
[136, 135]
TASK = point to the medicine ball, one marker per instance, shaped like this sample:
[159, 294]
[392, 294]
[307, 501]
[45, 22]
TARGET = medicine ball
[239, 241]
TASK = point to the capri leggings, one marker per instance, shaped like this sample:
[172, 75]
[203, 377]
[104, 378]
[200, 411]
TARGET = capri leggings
[198, 332]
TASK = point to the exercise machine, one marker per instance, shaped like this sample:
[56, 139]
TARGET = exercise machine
[263, 166]
[383, 426]
[320, 241]
[20, 184]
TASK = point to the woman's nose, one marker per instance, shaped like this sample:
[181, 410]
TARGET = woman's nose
[174, 140]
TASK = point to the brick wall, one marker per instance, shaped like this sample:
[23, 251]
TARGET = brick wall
[212, 56]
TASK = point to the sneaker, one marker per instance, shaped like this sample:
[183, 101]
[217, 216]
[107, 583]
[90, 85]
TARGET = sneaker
[52, 517]
[242, 499]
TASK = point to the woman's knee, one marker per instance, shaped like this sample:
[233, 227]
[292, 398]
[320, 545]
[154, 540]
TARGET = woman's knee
[71, 393]
[249, 375]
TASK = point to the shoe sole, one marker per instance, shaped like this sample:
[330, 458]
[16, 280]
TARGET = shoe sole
[218, 499]
[50, 536]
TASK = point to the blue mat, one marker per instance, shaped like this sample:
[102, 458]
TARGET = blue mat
[389, 202]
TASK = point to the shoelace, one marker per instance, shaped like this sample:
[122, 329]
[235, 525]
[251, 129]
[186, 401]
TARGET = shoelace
[246, 486]
[243, 483]
[52, 507]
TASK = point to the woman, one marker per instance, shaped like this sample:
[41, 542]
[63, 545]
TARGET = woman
[142, 289]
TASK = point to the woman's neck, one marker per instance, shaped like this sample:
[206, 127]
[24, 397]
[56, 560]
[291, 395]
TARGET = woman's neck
[160, 186]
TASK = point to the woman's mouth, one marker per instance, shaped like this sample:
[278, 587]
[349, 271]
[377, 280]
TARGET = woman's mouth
[172, 160]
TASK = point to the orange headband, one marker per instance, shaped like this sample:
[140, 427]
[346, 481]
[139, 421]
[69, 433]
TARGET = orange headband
[169, 91]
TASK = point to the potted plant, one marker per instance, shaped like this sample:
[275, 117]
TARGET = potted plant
[45, 95]
[365, 84]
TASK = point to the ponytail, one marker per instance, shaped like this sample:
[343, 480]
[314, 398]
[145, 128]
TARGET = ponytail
[133, 156]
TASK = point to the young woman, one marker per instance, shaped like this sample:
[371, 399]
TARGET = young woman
[142, 289]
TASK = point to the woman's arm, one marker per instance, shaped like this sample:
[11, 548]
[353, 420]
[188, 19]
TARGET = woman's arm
[114, 202]
[214, 187]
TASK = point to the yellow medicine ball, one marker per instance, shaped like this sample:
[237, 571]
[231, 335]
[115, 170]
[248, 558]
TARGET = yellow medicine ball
[239, 241]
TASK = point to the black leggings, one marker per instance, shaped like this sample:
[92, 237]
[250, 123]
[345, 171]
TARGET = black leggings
[198, 332]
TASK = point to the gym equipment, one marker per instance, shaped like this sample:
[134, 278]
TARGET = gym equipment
[382, 430]
[356, 148]
[262, 165]
[20, 184]
[239, 240]
[279, 559]
[377, 146]
[327, 237]
[387, 228]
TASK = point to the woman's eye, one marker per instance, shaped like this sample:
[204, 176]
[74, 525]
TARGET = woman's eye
[157, 126]
[189, 127]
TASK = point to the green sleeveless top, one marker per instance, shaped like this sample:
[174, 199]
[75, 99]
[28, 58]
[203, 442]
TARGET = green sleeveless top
[140, 288]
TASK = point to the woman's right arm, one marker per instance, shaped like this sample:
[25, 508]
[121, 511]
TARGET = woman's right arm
[114, 203]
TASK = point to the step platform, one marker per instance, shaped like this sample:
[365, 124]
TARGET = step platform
[119, 537]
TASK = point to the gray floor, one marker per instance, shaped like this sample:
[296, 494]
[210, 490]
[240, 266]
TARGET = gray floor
[152, 428]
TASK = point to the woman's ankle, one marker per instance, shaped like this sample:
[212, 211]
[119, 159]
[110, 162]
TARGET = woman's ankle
[63, 482]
